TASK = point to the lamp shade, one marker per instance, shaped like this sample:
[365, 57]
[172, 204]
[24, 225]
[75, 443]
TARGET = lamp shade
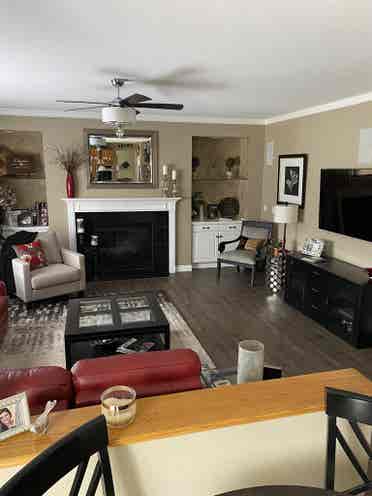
[285, 214]
[113, 115]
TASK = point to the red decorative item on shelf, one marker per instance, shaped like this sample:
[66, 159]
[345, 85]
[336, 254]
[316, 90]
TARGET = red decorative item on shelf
[70, 187]
[369, 270]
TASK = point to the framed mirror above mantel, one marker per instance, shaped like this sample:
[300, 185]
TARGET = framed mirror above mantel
[130, 161]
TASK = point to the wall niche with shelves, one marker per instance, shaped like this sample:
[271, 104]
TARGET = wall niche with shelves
[22, 165]
[210, 178]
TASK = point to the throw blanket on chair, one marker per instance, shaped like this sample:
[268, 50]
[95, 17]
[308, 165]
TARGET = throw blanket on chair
[7, 255]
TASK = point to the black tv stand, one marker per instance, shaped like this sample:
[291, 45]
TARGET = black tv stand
[334, 293]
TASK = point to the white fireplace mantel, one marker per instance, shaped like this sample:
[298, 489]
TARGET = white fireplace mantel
[135, 204]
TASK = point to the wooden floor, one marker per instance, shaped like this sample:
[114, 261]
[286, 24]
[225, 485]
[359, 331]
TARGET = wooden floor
[223, 313]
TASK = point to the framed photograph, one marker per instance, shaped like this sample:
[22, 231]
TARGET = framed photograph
[14, 415]
[292, 179]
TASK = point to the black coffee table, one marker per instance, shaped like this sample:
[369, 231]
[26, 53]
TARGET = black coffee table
[98, 326]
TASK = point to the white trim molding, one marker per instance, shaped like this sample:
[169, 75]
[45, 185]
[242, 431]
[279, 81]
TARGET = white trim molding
[337, 104]
[179, 118]
[211, 265]
[135, 204]
[183, 268]
[197, 119]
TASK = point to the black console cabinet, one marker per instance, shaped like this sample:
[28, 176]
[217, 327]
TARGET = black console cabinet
[334, 293]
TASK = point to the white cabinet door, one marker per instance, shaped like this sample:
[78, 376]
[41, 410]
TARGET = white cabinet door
[203, 245]
[206, 238]
[228, 233]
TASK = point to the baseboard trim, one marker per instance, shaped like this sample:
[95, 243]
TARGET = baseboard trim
[183, 268]
[209, 265]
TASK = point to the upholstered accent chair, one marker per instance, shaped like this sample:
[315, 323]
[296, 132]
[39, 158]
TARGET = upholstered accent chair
[65, 272]
[247, 258]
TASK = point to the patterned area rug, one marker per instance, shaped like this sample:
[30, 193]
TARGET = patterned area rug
[36, 337]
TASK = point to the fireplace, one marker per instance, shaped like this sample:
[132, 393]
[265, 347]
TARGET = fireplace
[124, 244]
[78, 207]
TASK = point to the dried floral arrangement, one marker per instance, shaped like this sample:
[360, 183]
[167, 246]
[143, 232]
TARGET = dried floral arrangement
[70, 158]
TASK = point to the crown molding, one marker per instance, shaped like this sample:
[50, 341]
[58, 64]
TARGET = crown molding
[337, 104]
[194, 119]
[198, 119]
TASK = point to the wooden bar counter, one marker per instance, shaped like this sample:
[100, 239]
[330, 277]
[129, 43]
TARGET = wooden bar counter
[196, 411]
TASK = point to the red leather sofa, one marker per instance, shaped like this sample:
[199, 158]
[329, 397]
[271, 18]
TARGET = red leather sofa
[3, 311]
[41, 384]
[150, 374]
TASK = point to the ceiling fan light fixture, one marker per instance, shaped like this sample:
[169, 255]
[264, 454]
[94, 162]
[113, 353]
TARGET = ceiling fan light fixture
[119, 118]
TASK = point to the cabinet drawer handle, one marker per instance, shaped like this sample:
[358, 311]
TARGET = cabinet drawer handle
[314, 307]
[206, 227]
[314, 273]
[314, 290]
[232, 227]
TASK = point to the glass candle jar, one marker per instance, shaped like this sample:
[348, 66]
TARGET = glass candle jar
[118, 405]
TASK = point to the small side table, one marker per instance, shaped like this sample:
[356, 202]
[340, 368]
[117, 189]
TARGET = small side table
[276, 271]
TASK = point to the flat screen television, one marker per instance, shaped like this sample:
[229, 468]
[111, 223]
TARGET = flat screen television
[346, 202]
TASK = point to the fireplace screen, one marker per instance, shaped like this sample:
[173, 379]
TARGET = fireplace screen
[125, 244]
[127, 247]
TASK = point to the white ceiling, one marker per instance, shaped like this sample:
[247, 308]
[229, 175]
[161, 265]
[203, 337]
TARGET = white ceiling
[235, 59]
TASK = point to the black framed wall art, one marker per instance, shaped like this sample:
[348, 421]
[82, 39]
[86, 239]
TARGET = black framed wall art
[292, 179]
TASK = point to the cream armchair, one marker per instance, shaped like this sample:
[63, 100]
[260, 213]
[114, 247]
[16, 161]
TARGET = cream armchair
[65, 273]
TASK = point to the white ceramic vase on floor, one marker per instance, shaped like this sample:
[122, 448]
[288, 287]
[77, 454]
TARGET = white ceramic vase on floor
[250, 361]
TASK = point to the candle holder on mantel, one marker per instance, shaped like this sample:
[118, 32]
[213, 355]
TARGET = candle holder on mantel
[173, 191]
[165, 181]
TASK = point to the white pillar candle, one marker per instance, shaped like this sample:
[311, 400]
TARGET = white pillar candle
[118, 404]
[174, 174]
[250, 361]
[165, 170]
[116, 413]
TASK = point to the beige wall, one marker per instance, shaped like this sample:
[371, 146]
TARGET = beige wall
[175, 147]
[331, 139]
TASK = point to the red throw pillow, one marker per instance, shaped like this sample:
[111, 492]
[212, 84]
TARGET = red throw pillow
[32, 253]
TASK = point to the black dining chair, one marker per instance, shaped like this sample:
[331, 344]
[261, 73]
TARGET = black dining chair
[72, 451]
[354, 407]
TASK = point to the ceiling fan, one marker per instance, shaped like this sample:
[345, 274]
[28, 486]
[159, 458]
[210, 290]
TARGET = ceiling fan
[120, 112]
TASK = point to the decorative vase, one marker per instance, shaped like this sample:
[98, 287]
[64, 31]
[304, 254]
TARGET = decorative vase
[70, 187]
[250, 361]
[229, 174]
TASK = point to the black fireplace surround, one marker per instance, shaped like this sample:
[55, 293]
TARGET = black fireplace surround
[130, 244]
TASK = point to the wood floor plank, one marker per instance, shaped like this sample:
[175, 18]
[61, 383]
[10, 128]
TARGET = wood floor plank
[225, 312]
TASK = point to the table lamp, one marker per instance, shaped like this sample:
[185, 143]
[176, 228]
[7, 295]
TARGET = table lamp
[285, 214]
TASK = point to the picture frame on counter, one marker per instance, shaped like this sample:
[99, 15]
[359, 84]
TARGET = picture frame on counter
[14, 415]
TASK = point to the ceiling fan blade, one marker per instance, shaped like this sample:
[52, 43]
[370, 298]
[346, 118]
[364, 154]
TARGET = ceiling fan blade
[134, 99]
[84, 108]
[164, 106]
[84, 101]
